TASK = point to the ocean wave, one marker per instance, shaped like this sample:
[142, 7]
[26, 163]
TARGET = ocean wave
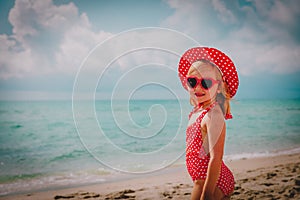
[262, 154]
[293, 109]
[36, 182]
[17, 126]
[71, 155]
[12, 178]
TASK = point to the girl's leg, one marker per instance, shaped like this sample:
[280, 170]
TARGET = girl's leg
[197, 189]
[226, 198]
[219, 195]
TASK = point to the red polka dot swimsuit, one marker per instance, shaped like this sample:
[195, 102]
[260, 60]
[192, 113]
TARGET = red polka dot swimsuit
[197, 160]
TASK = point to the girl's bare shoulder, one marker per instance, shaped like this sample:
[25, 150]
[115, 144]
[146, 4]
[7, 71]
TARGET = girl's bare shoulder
[215, 115]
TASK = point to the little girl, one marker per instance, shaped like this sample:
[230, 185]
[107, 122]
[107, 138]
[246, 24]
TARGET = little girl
[211, 79]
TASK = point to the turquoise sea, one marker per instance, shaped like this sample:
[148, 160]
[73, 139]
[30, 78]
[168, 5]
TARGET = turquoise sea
[44, 144]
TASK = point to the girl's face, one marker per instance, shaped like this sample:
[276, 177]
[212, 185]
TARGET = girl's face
[199, 94]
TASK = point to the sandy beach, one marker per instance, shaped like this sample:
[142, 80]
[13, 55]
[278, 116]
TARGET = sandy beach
[275, 177]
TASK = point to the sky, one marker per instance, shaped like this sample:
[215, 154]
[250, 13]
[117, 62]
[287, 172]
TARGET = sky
[45, 46]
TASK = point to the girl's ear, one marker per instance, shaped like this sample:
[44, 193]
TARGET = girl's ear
[219, 88]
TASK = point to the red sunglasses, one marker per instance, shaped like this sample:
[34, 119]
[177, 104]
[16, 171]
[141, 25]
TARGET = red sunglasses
[205, 83]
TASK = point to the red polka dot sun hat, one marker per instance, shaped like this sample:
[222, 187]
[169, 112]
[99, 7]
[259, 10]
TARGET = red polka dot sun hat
[215, 56]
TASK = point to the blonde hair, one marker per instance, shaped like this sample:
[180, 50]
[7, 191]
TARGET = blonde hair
[223, 97]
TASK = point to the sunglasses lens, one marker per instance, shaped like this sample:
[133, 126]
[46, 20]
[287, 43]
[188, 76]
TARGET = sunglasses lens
[192, 82]
[206, 83]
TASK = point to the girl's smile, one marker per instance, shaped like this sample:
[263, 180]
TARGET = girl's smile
[198, 94]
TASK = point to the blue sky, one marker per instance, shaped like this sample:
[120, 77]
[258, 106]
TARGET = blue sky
[43, 43]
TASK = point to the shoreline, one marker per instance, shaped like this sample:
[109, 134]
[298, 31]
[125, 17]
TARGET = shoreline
[280, 152]
[264, 177]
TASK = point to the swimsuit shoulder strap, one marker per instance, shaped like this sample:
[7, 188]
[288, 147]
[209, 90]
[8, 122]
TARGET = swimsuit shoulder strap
[191, 113]
[206, 110]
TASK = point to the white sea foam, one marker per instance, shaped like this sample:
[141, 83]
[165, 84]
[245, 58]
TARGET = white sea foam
[52, 181]
[262, 154]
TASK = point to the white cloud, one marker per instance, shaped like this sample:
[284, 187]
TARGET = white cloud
[50, 38]
[75, 45]
[191, 17]
[225, 14]
[29, 17]
[46, 39]
[259, 37]
[12, 55]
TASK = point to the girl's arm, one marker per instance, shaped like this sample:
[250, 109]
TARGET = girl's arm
[216, 131]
